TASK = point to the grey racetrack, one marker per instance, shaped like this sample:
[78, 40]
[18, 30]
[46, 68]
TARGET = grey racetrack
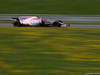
[72, 25]
[64, 18]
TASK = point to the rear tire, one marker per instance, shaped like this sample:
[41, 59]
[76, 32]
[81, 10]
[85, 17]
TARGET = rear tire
[17, 23]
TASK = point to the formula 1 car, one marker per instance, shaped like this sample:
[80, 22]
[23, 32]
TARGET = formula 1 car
[35, 21]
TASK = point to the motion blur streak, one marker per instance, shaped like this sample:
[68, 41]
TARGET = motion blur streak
[46, 51]
[64, 18]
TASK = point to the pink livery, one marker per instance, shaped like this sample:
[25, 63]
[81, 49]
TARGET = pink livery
[35, 21]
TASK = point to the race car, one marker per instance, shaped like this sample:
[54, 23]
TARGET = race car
[35, 21]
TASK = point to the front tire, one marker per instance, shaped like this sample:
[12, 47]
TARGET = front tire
[56, 24]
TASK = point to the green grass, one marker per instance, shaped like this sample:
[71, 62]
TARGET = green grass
[68, 7]
[49, 51]
[5, 22]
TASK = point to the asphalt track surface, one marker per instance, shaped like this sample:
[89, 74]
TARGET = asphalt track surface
[64, 18]
[72, 25]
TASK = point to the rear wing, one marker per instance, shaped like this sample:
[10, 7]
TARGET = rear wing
[14, 20]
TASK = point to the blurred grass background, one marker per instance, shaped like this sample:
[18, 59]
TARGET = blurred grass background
[49, 51]
[68, 7]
